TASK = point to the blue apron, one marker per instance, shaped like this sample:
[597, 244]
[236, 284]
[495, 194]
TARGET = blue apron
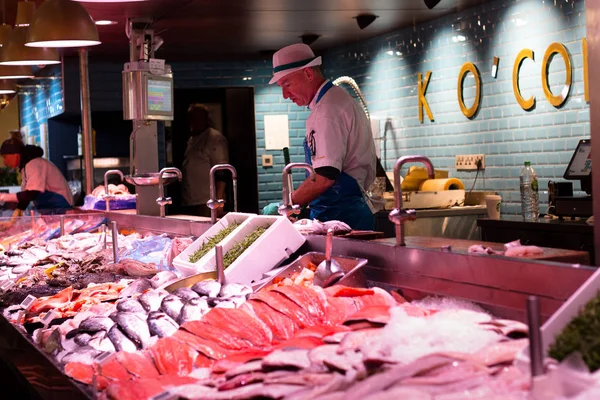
[50, 203]
[344, 200]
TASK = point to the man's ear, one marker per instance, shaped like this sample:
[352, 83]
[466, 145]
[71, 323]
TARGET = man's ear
[309, 73]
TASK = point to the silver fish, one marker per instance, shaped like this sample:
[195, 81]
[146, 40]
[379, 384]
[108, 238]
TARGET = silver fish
[83, 355]
[138, 286]
[95, 324]
[161, 324]
[172, 306]
[101, 342]
[130, 305]
[134, 326]
[185, 293]
[207, 288]
[120, 341]
[235, 290]
[151, 300]
[193, 310]
[225, 304]
[82, 339]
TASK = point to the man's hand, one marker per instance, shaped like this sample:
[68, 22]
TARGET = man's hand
[310, 189]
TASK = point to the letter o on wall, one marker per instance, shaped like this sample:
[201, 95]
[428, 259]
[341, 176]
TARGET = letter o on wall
[529, 103]
[466, 68]
[558, 100]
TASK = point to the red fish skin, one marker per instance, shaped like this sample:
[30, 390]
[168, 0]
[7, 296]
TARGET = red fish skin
[216, 334]
[286, 306]
[242, 324]
[305, 298]
[347, 291]
[81, 372]
[172, 357]
[281, 325]
[203, 362]
[137, 364]
[113, 370]
[48, 303]
[206, 347]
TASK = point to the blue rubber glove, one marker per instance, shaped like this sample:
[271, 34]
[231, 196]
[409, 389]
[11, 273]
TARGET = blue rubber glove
[271, 209]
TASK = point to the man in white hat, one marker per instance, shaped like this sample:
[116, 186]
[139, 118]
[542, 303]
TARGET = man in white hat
[338, 142]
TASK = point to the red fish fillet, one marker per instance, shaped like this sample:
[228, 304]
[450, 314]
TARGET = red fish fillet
[172, 357]
[216, 335]
[81, 372]
[202, 361]
[206, 347]
[137, 364]
[305, 298]
[282, 326]
[307, 342]
[237, 359]
[340, 308]
[284, 305]
[320, 331]
[135, 390]
[377, 314]
[113, 370]
[242, 324]
[48, 303]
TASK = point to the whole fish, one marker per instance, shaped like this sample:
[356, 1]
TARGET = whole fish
[138, 286]
[120, 341]
[207, 288]
[130, 305]
[193, 310]
[172, 306]
[101, 342]
[151, 300]
[95, 324]
[134, 326]
[161, 324]
[82, 339]
[235, 290]
[185, 293]
[83, 355]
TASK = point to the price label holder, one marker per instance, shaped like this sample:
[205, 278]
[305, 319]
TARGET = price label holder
[28, 302]
[6, 285]
[51, 315]
[157, 66]
[102, 358]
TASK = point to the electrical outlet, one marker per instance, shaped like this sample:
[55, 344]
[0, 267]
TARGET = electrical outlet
[468, 162]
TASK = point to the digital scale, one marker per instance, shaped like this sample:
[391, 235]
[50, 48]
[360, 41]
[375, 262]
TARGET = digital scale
[561, 193]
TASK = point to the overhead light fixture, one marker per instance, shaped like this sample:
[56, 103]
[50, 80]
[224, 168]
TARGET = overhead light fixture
[431, 3]
[16, 72]
[16, 53]
[25, 11]
[104, 22]
[62, 23]
[309, 38]
[5, 31]
[364, 20]
[7, 87]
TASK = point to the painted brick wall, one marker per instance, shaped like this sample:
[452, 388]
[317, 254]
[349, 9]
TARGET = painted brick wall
[501, 130]
[386, 69]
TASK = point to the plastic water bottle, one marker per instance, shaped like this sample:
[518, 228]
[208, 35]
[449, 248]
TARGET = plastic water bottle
[529, 193]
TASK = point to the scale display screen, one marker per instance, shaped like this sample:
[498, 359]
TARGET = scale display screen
[160, 96]
[581, 163]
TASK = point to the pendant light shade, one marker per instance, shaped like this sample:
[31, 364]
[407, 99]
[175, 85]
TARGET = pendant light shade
[16, 72]
[5, 31]
[62, 23]
[16, 53]
[7, 87]
[25, 11]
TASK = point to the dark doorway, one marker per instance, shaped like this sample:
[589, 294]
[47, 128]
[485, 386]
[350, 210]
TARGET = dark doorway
[233, 111]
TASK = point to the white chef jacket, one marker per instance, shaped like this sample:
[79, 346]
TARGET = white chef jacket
[41, 175]
[339, 135]
[203, 151]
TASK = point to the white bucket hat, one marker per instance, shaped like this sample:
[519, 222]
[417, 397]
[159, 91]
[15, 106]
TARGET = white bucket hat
[291, 59]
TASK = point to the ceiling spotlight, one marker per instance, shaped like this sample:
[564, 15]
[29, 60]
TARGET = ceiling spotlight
[103, 22]
[431, 3]
[309, 38]
[364, 20]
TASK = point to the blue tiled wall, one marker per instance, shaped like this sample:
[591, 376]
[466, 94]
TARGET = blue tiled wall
[505, 133]
[386, 69]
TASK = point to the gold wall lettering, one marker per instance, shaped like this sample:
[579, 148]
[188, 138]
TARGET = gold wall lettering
[422, 88]
[466, 68]
[529, 103]
[558, 100]
[586, 82]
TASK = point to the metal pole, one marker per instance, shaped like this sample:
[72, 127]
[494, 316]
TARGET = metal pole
[86, 121]
[535, 336]
[219, 261]
[115, 241]
[62, 225]
[32, 215]
[105, 233]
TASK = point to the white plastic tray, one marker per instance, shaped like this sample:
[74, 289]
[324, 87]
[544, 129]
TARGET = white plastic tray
[187, 268]
[273, 247]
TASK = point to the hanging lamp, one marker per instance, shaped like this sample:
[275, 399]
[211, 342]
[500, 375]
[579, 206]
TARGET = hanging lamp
[25, 12]
[7, 87]
[5, 31]
[16, 53]
[62, 23]
[15, 71]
